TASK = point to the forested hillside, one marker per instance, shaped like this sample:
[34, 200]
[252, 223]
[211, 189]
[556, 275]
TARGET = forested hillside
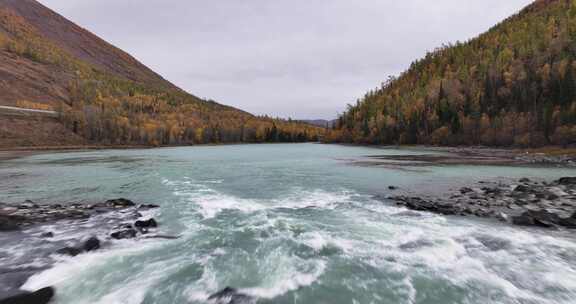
[105, 96]
[514, 85]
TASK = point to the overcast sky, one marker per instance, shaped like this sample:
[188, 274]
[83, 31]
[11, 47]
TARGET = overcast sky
[287, 58]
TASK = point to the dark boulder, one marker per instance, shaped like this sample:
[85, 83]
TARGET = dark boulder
[91, 244]
[568, 222]
[567, 181]
[392, 188]
[71, 251]
[540, 218]
[522, 189]
[124, 234]
[230, 295]
[466, 190]
[42, 296]
[120, 203]
[151, 223]
[8, 223]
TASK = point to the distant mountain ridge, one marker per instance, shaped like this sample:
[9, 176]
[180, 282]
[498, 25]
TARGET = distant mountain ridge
[511, 86]
[106, 96]
[324, 123]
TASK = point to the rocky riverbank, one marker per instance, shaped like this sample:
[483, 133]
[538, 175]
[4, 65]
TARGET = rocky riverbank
[524, 203]
[480, 156]
[18, 216]
[88, 228]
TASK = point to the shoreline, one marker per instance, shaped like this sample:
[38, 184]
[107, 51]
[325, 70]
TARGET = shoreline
[470, 155]
[18, 152]
[524, 202]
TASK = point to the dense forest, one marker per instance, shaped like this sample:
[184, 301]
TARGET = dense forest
[108, 108]
[513, 85]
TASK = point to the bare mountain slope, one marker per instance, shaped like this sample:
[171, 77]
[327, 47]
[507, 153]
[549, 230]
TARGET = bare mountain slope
[82, 44]
[104, 95]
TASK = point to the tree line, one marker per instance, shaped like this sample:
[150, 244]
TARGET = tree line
[513, 85]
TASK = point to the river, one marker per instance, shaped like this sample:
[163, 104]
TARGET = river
[297, 223]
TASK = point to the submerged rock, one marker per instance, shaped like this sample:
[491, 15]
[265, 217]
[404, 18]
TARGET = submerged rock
[48, 234]
[416, 245]
[124, 234]
[42, 296]
[91, 244]
[148, 206]
[493, 243]
[71, 251]
[151, 223]
[230, 295]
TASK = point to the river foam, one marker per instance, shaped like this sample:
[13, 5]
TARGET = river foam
[289, 228]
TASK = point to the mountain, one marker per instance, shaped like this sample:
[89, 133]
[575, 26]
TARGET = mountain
[513, 85]
[103, 95]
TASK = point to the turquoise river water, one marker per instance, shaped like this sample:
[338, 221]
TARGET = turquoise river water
[283, 223]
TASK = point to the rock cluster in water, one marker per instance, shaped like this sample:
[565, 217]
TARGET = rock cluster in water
[20, 216]
[527, 203]
[17, 216]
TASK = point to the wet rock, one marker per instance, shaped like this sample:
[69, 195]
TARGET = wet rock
[42, 296]
[230, 295]
[28, 205]
[70, 251]
[522, 189]
[17, 216]
[91, 244]
[120, 203]
[8, 223]
[567, 181]
[148, 206]
[539, 218]
[151, 223]
[549, 205]
[124, 234]
[392, 188]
